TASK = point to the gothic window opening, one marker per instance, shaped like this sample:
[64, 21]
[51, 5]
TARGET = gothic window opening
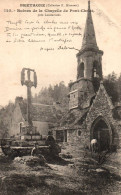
[95, 70]
[80, 70]
[95, 75]
[79, 133]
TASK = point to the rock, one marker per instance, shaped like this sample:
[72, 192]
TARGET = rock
[68, 156]
[99, 170]
[36, 161]
[31, 160]
[71, 165]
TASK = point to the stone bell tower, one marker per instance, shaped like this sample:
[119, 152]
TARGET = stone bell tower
[89, 68]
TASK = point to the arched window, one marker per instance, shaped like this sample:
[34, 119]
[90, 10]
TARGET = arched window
[95, 70]
[80, 70]
[79, 133]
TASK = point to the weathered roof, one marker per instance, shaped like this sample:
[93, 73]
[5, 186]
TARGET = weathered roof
[101, 106]
[41, 112]
[102, 89]
[73, 118]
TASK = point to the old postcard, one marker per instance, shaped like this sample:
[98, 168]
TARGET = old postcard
[60, 102]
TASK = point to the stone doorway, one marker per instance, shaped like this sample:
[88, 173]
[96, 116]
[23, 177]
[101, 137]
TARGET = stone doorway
[102, 132]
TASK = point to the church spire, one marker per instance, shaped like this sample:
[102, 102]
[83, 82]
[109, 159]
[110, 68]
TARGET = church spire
[89, 38]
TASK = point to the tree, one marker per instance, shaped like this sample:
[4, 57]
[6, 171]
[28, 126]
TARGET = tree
[57, 93]
[5, 118]
[111, 86]
[119, 86]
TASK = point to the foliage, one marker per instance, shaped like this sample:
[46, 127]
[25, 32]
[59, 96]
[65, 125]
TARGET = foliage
[5, 118]
[113, 86]
[58, 93]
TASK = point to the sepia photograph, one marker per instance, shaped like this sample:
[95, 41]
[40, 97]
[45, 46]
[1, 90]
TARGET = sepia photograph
[60, 101]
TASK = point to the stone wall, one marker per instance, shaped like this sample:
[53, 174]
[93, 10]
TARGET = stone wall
[102, 107]
[76, 140]
[17, 118]
[81, 92]
[76, 144]
[88, 58]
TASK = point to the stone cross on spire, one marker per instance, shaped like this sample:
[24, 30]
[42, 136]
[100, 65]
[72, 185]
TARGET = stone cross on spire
[89, 38]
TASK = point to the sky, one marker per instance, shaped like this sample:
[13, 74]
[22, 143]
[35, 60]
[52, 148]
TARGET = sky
[58, 65]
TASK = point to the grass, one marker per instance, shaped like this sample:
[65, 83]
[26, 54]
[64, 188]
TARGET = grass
[61, 179]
